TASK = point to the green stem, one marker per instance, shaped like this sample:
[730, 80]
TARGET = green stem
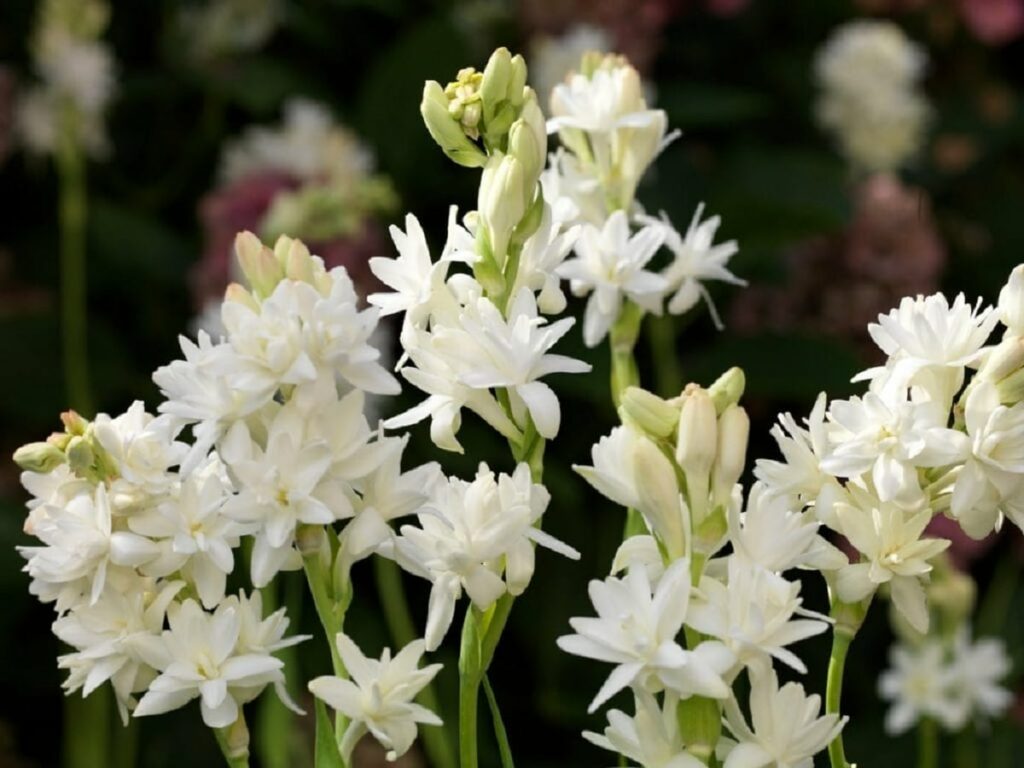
[331, 610]
[622, 341]
[125, 745]
[834, 691]
[668, 374]
[275, 722]
[470, 674]
[927, 743]
[400, 623]
[87, 729]
[499, 726]
[234, 757]
[72, 215]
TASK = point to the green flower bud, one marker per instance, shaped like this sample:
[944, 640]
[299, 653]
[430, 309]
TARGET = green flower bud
[700, 725]
[259, 265]
[649, 412]
[501, 201]
[697, 443]
[74, 424]
[494, 85]
[81, 457]
[728, 389]
[446, 130]
[39, 457]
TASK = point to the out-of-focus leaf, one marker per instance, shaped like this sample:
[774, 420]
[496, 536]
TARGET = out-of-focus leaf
[327, 755]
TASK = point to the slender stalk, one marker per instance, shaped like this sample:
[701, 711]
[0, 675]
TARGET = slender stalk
[621, 342]
[403, 631]
[235, 757]
[72, 217]
[275, 722]
[927, 743]
[834, 691]
[87, 729]
[470, 674]
[504, 750]
[668, 374]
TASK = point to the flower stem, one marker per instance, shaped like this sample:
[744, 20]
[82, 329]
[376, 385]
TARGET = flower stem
[398, 617]
[72, 216]
[622, 341]
[329, 607]
[470, 674]
[927, 743]
[87, 729]
[499, 726]
[834, 690]
[234, 755]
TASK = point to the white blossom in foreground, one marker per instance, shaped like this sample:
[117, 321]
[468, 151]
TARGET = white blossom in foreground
[636, 629]
[650, 737]
[118, 638]
[379, 697]
[202, 660]
[696, 258]
[785, 729]
[752, 612]
[610, 266]
[892, 552]
[468, 535]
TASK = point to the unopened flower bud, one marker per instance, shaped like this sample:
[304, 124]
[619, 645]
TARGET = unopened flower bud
[660, 502]
[528, 141]
[447, 131]
[80, 456]
[501, 201]
[494, 85]
[697, 443]
[39, 457]
[733, 432]
[700, 725]
[728, 389]
[74, 424]
[646, 410]
[236, 737]
[1011, 302]
[236, 292]
[1005, 359]
[259, 265]
[295, 259]
[1011, 388]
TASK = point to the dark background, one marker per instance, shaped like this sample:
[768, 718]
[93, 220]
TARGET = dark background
[741, 89]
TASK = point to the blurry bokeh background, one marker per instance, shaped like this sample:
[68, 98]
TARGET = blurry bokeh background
[824, 249]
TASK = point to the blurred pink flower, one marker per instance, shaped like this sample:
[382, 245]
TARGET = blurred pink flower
[994, 21]
[837, 285]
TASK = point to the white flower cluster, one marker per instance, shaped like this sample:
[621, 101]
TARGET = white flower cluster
[76, 73]
[876, 468]
[870, 74]
[609, 139]
[139, 531]
[687, 620]
[952, 682]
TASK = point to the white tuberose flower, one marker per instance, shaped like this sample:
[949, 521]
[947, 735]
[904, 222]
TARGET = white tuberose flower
[786, 730]
[636, 629]
[650, 738]
[610, 262]
[203, 662]
[697, 259]
[379, 697]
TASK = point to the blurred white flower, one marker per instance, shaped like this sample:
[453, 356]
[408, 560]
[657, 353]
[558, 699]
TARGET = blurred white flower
[379, 697]
[553, 58]
[920, 683]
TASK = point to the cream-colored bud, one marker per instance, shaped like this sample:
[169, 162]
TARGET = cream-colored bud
[697, 444]
[501, 203]
[259, 265]
[80, 456]
[1011, 302]
[74, 423]
[728, 389]
[517, 93]
[236, 292]
[660, 502]
[528, 140]
[733, 433]
[298, 262]
[39, 457]
[649, 412]
[447, 131]
[1005, 359]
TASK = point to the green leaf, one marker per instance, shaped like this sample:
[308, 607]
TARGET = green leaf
[499, 726]
[327, 754]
